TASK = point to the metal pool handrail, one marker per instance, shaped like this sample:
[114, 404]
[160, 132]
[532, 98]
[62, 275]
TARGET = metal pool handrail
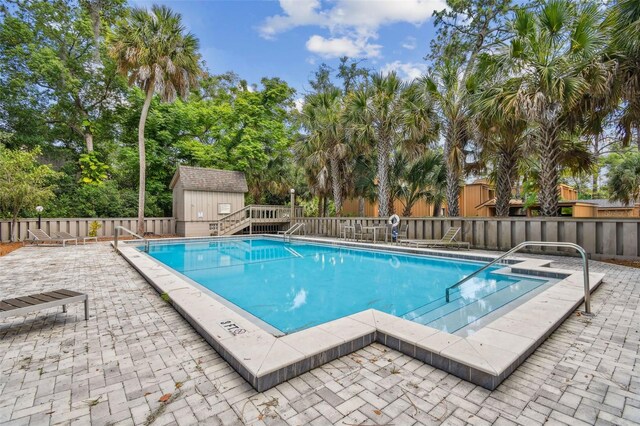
[583, 253]
[117, 230]
[294, 228]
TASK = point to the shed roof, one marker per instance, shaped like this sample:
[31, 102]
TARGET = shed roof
[213, 180]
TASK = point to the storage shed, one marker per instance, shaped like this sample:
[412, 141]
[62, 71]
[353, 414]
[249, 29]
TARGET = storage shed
[202, 195]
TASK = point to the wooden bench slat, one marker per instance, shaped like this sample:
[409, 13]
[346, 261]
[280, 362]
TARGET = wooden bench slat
[30, 300]
[6, 307]
[17, 303]
[68, 293]
[55, 295]
[43, 297]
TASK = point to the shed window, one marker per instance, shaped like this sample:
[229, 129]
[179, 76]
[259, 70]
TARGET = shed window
[224, 208]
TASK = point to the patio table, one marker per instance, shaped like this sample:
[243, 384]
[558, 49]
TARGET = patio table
[375, 228]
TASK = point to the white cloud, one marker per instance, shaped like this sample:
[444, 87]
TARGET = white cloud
[355, 20]
[342, 46]
[299, 104]
[410, 43]
[407, 71]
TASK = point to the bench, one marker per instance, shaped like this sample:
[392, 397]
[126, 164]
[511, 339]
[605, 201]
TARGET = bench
[39, 301]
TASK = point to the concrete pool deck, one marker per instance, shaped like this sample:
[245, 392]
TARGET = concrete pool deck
[265, 360]
[57, 368]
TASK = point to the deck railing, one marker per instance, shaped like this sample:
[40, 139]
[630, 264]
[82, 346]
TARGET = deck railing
[253, 213]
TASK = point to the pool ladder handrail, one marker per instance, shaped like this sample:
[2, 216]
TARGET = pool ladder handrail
[117, 230]
[583, 254]
[294, 228]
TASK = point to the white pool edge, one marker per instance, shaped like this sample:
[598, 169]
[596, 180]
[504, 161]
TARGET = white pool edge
[485, 358]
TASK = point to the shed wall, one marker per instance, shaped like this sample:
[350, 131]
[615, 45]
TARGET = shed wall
[178, 201]
[207, 203]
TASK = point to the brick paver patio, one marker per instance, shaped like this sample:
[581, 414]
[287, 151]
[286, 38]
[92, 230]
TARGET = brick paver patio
[56, 368]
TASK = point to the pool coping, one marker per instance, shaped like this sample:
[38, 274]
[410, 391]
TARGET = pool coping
[484, 358]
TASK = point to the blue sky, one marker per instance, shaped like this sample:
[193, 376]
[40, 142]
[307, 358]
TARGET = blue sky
[290, 38]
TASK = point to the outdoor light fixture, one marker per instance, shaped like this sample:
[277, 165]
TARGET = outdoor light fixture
[39, 210]
[293, 202]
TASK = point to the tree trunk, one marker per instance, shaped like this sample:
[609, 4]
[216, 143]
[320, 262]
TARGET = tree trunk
[141, 153]
[88, 140]
[504, 183]
[324, 206]
[383, 178]
[94, 13]
[406, 212]
[453, 180]
[549, 153]
[14, 225]
[436, 209]
[336, 184]
[361, 206]
[319, 206]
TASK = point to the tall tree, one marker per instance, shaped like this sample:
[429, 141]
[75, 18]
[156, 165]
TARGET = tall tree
[554, 56]
[322, 119]
[624, 21]
[390, 113]
[466, 29]
[50, 75]
[152, 49]
[501, 134]
[450, 92]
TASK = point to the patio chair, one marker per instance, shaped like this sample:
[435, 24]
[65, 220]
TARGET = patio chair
[359, 233]
[403, 233]
[38, 236]
[448, 240]
[69, 237]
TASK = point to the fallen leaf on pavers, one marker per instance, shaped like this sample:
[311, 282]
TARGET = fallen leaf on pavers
[50, 412]
[165, 397]
[377, 412]
[178, 385]
[260, 416]
[147, 393]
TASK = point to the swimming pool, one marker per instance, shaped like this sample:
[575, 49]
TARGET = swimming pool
[294, 286]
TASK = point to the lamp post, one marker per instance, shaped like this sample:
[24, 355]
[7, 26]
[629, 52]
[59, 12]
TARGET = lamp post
[293, 202]
[39, 210]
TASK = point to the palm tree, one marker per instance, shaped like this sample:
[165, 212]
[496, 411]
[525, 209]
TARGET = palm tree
[152, 49]
[502, 139]
[322, 119]
[624, 18]
[421, 179]
[624, 179]
[448, 87]
[312, 155]
[552, 57]
[390, 113]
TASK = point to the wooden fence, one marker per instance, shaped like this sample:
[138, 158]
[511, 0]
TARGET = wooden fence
[601, 238]
[79, 227]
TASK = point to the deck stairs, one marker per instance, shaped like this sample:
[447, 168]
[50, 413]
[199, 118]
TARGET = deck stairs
[250, 215]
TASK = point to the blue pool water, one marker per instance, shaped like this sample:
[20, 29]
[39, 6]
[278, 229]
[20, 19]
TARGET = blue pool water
[292, 286]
